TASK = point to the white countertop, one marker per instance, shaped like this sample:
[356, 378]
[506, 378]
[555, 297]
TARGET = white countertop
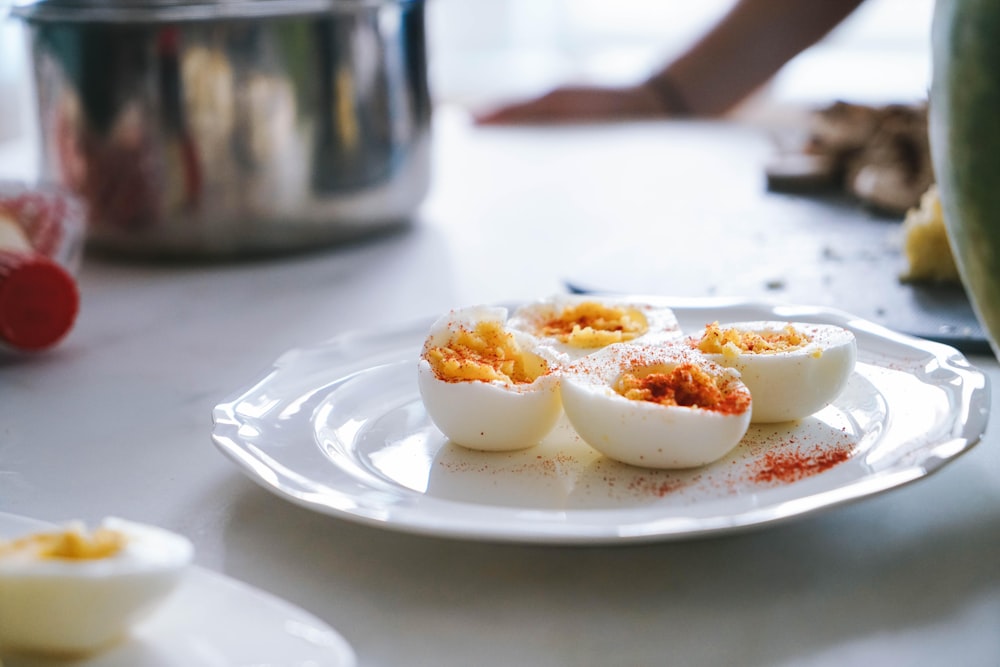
[117, 421]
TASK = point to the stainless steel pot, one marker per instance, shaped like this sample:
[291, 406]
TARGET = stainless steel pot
[229, 127]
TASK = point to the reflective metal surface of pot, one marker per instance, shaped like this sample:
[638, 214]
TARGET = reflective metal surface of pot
[231, 128]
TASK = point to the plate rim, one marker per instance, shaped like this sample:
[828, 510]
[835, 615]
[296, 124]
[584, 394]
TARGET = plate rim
[975, 399]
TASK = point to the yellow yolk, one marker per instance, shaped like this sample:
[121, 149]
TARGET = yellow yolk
[733, 342]
[591, 325]
[71, 544]
[487, 353]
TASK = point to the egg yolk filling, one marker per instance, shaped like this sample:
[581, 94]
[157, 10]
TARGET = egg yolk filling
[591, 324]
[733, 342]
[686, 385]
[70, 544]
[486, 352]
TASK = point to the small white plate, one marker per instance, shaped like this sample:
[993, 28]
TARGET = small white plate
[209, 620]
[340, 428]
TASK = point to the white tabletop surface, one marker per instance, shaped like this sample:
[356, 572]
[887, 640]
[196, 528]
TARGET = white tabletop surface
[117, 421]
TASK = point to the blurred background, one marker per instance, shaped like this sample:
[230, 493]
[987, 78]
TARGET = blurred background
[483, 52]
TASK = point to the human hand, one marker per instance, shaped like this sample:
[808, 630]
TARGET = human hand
[578, 104]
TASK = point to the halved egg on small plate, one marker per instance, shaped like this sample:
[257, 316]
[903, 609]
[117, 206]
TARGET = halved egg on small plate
[74, 592]
[656, 406]
[793, 369]
[486, 386]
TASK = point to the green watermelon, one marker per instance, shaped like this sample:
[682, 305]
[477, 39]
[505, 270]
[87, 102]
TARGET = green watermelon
[964, 125]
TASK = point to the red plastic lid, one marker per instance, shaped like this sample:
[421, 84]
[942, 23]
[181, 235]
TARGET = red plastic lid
[39, 301]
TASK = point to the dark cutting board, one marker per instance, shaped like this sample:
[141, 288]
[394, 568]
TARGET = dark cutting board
[823, 250]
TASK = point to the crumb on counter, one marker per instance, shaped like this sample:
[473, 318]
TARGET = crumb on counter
[925, 243]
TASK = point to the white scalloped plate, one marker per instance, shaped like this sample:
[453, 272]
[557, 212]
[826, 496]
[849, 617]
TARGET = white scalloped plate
[209, 620]
[340, 428]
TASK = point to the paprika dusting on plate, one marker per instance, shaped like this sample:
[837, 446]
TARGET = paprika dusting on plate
[793, 465]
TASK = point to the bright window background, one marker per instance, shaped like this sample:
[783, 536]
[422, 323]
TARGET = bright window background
[483, 51]
[487, 50]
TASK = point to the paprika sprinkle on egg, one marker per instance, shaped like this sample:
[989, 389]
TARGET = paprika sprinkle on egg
[592, 324]
[484, 351]
[733, 341]
[686, 385]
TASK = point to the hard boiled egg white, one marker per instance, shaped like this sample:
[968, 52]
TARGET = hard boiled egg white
[70, 592]
[656, 406]
[576, 325]
[483, 386]
[793, 369]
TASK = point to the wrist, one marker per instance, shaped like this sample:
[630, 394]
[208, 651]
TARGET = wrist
[668, 95]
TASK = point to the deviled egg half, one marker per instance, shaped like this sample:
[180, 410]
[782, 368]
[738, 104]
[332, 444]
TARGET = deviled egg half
[72, 592]
[656, 406]
[484, 385]
[580, 325]
[793, 369]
